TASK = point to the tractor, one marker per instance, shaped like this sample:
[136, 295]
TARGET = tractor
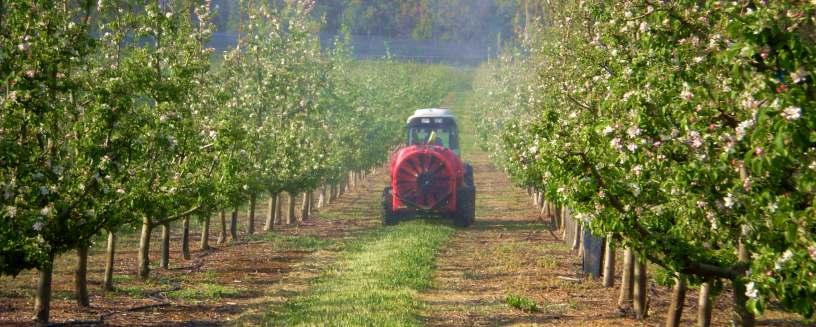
[428, 177]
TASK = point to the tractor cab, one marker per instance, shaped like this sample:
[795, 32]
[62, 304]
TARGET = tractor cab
[433, 127]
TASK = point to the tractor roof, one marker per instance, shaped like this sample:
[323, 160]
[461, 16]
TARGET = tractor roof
[432, 113]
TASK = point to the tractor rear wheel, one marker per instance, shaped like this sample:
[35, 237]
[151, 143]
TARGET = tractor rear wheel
[465, 206]
[388, 216]
[469, 175]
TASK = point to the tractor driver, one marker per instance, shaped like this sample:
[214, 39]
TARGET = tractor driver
[435, 139]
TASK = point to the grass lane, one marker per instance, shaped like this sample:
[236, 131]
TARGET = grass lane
[375, 281]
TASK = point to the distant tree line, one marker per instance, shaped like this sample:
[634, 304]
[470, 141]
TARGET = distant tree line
[462, 20]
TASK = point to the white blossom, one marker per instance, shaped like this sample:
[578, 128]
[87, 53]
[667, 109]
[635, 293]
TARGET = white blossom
[616, 143]
[772, 207]
[751, 291]
[712, 219]
[38, 226]
[799, 76]
[686, 93]
[786, 256]
[743, 127]
[633, 131]
[533, 149]
[637, 169]
[728, 201]
[792, 113]
[608, 130]
[632, 147]
[751, 103]
[635, 189]
[644, 27]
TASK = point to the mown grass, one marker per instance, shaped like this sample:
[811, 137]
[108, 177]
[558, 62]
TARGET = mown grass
[204, 291]
[293, 242]
[374, 282]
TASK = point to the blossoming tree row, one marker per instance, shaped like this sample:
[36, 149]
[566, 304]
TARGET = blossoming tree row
[683, 128]
[116, 114]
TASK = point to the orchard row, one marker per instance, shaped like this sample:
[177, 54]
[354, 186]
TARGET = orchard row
[115, 115]
[682, 129]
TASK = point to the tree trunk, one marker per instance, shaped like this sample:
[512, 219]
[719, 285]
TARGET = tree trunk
[565, 222]
[678, 299]
[251, 219]
[185, 238]
[290, 218]
[580, 241]
[279, 209]
[111, 251]
[311, 202]
[42, 303]
[558, 221]
[704, 306]
[627, 280]
[234, 225]
[576, 240]
[741, 316]
[332, 192]
[270, 212]
[352, 180]
[144, 250]
[609, 263]
[551, 213]
[165, 253]
[81, 277]
[640, 304]
[304, 207]
[205, 234]
[222, 237]
[321, 197]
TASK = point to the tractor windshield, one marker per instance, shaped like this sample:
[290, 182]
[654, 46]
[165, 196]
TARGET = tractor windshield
[434, 131]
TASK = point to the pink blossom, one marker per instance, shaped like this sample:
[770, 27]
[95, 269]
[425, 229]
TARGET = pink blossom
[759, 151]
[695, 140]
[765, 52]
